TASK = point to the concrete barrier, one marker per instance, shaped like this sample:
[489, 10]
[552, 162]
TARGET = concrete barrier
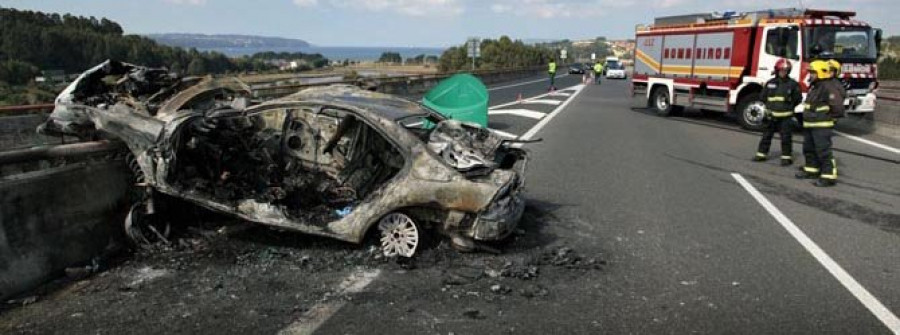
[57, 214]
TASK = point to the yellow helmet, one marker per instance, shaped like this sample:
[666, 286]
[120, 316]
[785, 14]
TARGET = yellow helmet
[821, 68]
[835, 67]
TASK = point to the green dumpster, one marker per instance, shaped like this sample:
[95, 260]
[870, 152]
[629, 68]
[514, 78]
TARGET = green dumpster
[461, 97]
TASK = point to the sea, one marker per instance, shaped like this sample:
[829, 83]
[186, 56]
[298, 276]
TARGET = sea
[336, 53]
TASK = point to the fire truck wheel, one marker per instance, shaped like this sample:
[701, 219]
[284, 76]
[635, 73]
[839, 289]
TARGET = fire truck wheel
[661, 101]
[751, 113]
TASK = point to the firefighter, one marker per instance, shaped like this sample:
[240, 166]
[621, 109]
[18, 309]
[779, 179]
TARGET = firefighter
[824, 103]
[781, 94]
[598, 71]
[551, 70]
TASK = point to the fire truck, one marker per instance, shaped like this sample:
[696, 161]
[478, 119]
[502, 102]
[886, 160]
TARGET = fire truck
[719, 62]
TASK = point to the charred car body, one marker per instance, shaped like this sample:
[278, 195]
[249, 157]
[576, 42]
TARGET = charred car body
[333, 161]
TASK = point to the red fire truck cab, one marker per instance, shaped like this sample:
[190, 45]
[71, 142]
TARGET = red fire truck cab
[720, 62]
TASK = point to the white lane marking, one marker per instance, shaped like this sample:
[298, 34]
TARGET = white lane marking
[331, 303]
[876, 307]
[534, 97]
[543, 101]
[869, 142]
[546, 120]
[504, 134]
[524, 83]
[560, 94]
[519, 112]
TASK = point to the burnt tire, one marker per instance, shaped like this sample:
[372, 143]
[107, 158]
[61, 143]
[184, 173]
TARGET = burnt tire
[144, 229]
[751, 112]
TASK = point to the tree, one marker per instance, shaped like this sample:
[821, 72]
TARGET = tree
[197, 67]
[390, 57]
[17, 72]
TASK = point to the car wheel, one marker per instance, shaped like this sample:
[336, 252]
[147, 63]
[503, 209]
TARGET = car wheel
[400, 235]
[144, 229]
[751, 113]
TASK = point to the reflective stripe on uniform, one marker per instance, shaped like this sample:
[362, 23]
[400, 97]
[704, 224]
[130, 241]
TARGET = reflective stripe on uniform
[782, 113]
[820, 124]
[759, 154]
[822, 109]
[776, 99]
[786, 157]
[833, 175]
[810, 169]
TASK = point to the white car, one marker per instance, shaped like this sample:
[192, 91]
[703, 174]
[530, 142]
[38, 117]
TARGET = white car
[616, 71]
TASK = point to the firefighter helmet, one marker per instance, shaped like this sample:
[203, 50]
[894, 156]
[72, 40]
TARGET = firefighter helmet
[821, 68]
[783, 64]
[835, 67]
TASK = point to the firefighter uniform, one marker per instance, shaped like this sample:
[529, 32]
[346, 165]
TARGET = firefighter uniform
[781, 96]
[551, 70]
[824, 103]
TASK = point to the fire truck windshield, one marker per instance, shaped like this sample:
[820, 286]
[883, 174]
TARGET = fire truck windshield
[840, 42]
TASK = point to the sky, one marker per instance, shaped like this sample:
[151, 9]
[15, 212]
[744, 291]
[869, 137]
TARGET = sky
[422, 23]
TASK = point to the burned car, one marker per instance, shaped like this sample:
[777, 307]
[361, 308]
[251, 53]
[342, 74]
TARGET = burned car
[334, 161]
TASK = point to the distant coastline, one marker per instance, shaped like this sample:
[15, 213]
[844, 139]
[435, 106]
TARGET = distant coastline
[334, 53]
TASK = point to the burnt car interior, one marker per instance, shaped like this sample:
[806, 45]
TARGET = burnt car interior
[313, 161]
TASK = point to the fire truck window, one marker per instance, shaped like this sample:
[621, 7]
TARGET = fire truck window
[687, 53]
[776, 47]
[666, 53]
[727, 53]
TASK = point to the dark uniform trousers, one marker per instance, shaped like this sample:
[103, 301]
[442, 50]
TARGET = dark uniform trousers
[817, 151]
[783, 126]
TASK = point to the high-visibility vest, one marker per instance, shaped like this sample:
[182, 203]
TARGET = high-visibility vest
[552, 68]
[598, 67]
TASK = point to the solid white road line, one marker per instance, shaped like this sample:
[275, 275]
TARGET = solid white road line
[519, 112]
[546, 120]
[330, 304]
[542, 101]
[504, 134]
[560, 94]
[876, 307]
[872, 143]
[525, 83]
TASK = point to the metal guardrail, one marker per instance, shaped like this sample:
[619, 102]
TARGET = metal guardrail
[58, 151]
[280, 90]
[25, 109]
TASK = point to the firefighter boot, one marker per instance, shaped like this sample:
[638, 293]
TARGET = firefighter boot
[786, 161]
[760, 157]
[821, 182]
[806, 175]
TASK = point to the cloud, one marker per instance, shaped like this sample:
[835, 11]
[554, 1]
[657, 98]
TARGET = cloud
[500, 8]
[549, 9]
[306, 3]
[186, 2]
[420, 8]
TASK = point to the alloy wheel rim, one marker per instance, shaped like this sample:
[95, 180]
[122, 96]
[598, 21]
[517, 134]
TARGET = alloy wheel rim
[399, 235]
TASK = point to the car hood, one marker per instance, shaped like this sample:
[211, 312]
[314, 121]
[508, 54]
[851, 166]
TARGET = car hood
[465, 146]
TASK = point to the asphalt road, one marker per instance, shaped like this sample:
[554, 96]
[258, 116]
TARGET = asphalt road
[688, 248]
[636, 224]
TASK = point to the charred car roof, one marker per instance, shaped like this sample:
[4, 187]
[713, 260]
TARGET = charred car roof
[384, 105]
